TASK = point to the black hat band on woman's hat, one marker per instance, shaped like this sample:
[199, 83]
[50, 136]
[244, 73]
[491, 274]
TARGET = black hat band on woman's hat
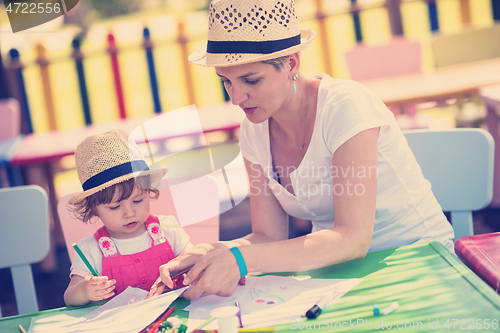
[264, 47]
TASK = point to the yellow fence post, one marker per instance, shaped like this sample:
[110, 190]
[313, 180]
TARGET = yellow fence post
[47, 89]
[323, 34]
[183, 40]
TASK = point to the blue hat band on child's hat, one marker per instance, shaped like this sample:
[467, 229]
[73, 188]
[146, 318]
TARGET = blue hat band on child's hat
[113, 173]
[104, 160]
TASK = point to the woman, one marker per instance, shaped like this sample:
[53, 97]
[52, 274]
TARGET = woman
[316, 148]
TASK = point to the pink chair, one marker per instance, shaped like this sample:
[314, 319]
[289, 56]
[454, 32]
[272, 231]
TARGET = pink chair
[195, 204]
[10, 126]
[491, 98]
[10, 140]
[398, 57]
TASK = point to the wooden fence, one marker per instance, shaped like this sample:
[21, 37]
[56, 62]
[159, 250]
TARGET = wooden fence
[98, 86]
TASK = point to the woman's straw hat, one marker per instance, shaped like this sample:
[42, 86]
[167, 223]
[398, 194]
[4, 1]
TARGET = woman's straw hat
[245, 31]
[107, 159]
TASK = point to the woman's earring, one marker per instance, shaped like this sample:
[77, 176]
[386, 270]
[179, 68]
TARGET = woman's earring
[294, 78]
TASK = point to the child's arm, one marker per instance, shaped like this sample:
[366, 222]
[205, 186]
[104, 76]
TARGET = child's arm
[82, 290]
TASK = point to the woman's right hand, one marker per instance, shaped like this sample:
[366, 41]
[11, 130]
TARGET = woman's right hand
[182, 262]
[216, 273]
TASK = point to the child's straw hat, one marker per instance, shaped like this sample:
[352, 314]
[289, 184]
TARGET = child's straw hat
[245, 31]
[104, 160]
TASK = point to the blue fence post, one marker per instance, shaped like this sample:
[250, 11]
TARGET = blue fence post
[78, 56]
[17, 67]
[433, 15]
[495, 8]
[148, 47]
[355, 20]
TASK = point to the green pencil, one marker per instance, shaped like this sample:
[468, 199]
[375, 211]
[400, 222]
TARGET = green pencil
[80, 253]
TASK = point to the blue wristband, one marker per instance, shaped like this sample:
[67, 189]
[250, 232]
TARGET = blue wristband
[239, 260]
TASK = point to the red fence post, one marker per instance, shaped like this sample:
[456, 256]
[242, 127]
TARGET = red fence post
[113, 51]
[394, 11]
[465, 11]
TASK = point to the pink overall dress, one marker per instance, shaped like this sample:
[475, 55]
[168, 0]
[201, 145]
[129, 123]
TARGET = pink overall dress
[140, 269]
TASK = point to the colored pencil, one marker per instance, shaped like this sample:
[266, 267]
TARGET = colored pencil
[80, 253]
[153, 327]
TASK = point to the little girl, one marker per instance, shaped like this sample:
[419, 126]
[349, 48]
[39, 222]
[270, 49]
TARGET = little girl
[129, 249]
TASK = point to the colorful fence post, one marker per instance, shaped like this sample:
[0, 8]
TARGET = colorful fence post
[78, 57]
[433, 15]
[183, 40]
[495, 8]
[355, 19]
[465, 11]
[394, 11]
[47, 88]
[17, 70]
[148, 46]
[323, 34]
[113, 53]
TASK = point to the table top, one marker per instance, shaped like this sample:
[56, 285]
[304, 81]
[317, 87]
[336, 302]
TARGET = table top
[45, 147]
[434, 289]
[444, 82]
[8, 148]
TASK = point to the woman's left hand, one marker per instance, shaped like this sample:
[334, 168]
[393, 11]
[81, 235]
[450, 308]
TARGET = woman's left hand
[216, 273]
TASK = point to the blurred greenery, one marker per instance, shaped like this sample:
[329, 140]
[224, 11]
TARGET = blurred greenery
[110, 8]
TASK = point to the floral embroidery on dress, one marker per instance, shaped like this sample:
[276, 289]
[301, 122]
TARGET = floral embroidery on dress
[108, 247]
[156, 233]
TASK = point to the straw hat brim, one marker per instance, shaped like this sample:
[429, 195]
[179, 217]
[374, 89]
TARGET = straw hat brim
[200, 57]
[156, 175]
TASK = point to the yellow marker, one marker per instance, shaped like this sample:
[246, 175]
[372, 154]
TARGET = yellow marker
[21, 328]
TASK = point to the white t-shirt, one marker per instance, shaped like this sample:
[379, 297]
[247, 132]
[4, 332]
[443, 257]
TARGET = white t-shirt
[173, 232]
[406, 209]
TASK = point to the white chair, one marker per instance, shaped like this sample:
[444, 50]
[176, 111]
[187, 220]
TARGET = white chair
[459, 165]
[24, 239]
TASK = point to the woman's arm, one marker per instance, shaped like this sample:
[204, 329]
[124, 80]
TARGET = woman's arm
[266, 249]
[354, 202]
[264, 208]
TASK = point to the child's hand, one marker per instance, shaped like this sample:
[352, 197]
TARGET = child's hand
[98, 288]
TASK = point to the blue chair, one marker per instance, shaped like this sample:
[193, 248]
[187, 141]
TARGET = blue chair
[24, 239]
[459, 165]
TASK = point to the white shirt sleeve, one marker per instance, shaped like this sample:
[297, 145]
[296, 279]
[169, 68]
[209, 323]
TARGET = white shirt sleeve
[349, 108]
[90, 249]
